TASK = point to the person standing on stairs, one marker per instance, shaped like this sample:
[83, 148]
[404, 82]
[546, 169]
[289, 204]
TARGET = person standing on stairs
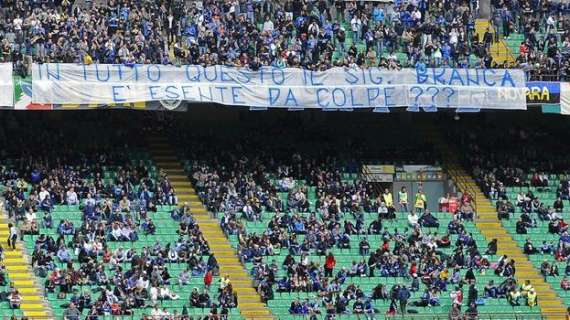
[492, 247]
[13, 236]
[403, 296]
[488, 39]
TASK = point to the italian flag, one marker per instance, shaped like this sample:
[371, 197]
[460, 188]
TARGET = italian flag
[23, 96]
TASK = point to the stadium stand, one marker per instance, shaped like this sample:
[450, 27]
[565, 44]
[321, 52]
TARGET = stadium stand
[536, 33]
[489, 222]
[526, 186]
[288, 265]
[230, 267]
[105, 235]
[225, 213]
[296, 33]
[295, 230]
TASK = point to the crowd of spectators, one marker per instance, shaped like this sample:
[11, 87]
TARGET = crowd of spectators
[545, 25]
[526, 157]
[315, 35]
[328, 211]
[91, 260]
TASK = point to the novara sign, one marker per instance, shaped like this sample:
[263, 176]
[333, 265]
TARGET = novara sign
[534, 93]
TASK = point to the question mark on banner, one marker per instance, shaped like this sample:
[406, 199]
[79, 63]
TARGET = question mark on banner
[451, 93]
[419, 91]
[436, 92]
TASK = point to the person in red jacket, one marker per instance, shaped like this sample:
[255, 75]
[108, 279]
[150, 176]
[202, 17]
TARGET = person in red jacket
[330, 262]
[414, 270]
[208, 279]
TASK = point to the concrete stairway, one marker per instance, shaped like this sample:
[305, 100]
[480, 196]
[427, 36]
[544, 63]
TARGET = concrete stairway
[500, 51]
[490, 226]
[250, 304]
[20, 273]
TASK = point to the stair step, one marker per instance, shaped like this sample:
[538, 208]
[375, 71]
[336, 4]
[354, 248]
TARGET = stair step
[245, 290]
[36, 314]
[20, 276]
[31, 306]
[30, 290]
[176, 173]
[32, 298]
[249, 299]
[247, 305]
[165, 158]
[184, 186]
[240, 282]
[229, 249]
[246, 299]
[241, 279]
[489, 225]
[11, 268]
[15, 261]
[199, 211]
[23, 283]
[163, 152]
[233, 265]
[548, 296]
[255, 313]
[549, 309]
[12, 253]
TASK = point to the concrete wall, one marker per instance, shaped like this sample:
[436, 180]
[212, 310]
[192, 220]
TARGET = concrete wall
[433, 190]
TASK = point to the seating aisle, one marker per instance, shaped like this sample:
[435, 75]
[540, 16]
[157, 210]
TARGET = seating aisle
[487, 221]
[20, 274]
[250, 305]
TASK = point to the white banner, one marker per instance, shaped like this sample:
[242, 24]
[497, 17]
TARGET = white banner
[6, 85]
[268, 87]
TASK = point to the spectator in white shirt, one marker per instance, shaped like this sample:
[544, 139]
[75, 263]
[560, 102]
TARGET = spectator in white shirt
[356, 26]
[248, 211]
[30, 216]
[71, 197]
[382, 209]
[416, 15]
[127, 233]
[90, 201]
[268, 25]
[156, 313]
[165, 293]
[17, 23]
[142, 283]
[154, 294]
[520, 199]
[412, 219]
[43, 194]
[550, 24]
[116, 232]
